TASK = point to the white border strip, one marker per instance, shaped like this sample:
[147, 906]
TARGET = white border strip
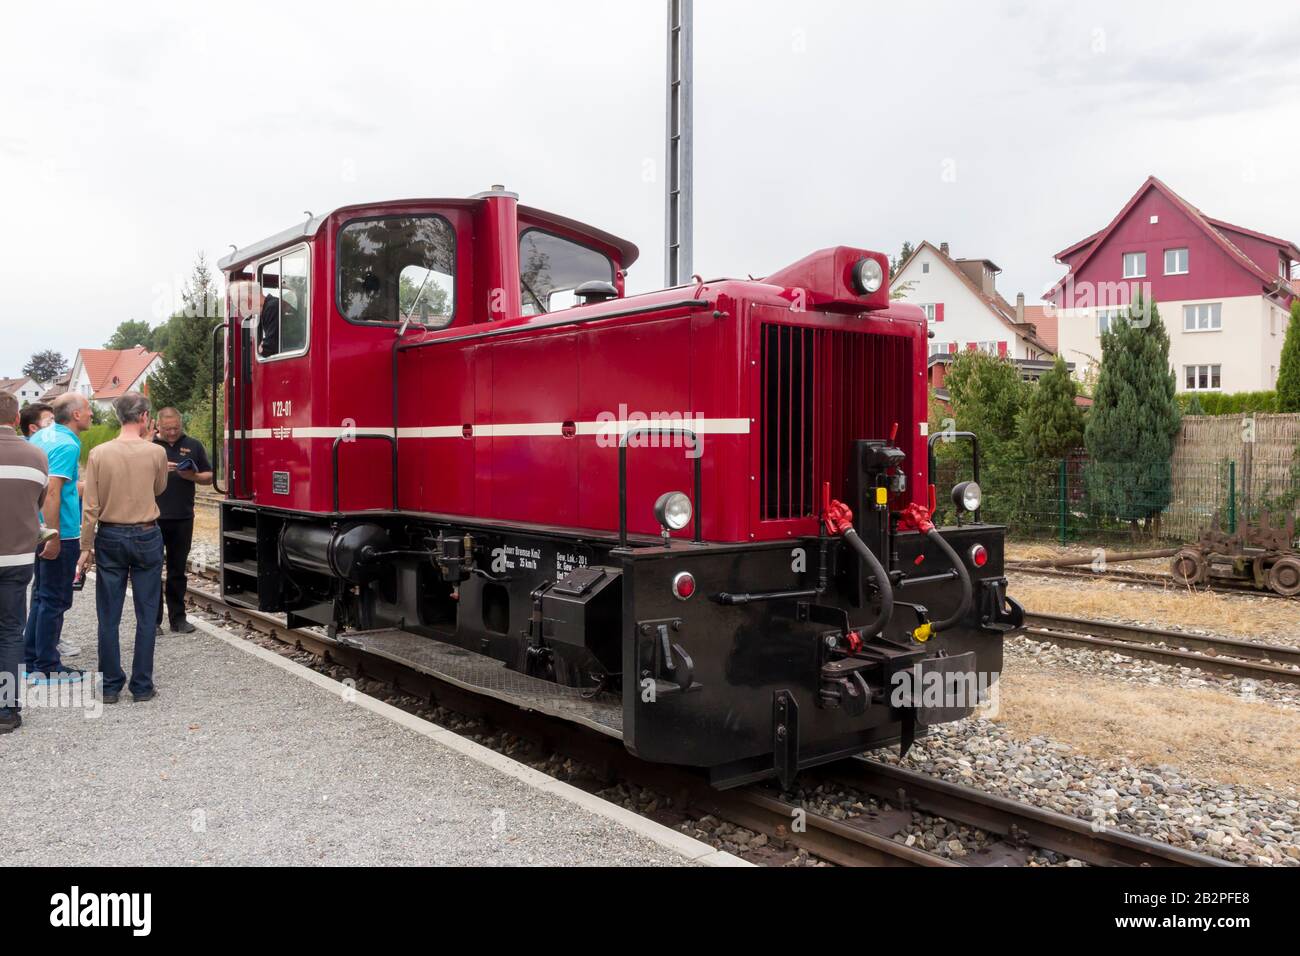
[700, 426]
[693, 850]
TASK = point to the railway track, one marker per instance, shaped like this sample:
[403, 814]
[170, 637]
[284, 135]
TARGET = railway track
[1225, 656]
[864, 840]
[1155, 579]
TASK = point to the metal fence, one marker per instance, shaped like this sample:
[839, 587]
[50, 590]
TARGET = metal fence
[1075, 499]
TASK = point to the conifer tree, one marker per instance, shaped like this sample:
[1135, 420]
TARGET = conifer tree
[1288, 373]
[1051, 424]
[1134, 418]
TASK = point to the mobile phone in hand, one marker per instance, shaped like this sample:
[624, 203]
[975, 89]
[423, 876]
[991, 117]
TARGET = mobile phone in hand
[79, 580]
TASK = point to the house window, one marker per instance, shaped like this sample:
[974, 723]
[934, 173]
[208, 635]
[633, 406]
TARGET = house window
[1175, 262]
[925, 268]
[1135, 265]
[1205, 317]
[940, 348]
[1106, 320]
[929, 312]
[1201, 378]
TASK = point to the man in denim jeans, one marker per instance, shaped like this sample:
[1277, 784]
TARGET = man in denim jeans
[23, 476]
[56, 563]
[120, 524]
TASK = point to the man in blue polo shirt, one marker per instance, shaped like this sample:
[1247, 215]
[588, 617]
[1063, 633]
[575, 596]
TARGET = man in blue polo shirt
[56, 564]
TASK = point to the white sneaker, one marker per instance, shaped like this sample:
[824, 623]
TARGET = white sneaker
[68, 650]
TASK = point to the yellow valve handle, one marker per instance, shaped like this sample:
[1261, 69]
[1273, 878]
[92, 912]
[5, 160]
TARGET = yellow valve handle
[922, 633]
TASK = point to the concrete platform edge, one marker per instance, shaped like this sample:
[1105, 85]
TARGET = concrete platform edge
[691, 849]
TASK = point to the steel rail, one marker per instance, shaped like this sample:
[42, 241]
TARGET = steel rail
[1155, 579]
[1226, 656]
[1012, 819]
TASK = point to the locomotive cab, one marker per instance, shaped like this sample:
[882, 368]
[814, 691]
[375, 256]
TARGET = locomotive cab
[697, 519]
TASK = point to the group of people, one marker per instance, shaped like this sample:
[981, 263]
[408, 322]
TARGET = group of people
[129, 515]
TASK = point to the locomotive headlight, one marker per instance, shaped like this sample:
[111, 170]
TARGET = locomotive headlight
[673, 510]
[967, 495]
[868, 276]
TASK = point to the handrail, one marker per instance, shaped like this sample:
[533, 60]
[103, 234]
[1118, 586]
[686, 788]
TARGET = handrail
[975, 457]
[622, 477]
[216, 465]
[334, 460]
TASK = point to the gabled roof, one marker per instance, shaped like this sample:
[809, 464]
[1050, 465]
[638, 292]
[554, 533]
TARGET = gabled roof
[1002, 310]
[13, 384]
[1044, 324]
[112, 372]
[1207, 225]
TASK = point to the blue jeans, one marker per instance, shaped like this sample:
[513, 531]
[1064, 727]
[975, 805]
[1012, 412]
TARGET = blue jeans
[122, 554]
[51, 597]
[13, 615]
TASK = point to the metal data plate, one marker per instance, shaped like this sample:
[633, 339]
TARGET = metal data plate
[279, 482]
[487, 675]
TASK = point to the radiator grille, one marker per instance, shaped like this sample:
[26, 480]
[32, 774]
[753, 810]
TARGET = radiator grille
[821, 389]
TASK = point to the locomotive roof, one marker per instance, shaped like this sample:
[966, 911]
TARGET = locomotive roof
[628, 252]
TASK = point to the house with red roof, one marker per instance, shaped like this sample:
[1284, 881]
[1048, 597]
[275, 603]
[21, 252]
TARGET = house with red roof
[1224, 291]
[965, 310]
[103, 375]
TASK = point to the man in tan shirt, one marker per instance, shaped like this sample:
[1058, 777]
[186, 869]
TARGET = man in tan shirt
[119, 520]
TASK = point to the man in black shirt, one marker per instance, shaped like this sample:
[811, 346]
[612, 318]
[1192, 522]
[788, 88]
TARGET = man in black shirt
[187, 466]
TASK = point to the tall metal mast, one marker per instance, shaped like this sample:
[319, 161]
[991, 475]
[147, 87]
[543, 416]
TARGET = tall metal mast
[679, 214]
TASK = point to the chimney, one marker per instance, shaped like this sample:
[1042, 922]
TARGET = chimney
[943, 247]
[1020, 308]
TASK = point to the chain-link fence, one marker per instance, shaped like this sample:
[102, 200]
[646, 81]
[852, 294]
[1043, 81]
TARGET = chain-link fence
[1076, 499]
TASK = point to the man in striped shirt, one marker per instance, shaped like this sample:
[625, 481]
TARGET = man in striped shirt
[23, 476]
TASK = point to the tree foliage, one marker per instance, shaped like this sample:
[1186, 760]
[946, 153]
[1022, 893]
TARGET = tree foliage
[46, 366]
[988, 395]
[898, 261]
[1288, 373]
[1134, 418]
[129, 334]
[186, 374]
[1051, 424]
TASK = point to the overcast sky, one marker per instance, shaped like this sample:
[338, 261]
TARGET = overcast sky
[135, 135]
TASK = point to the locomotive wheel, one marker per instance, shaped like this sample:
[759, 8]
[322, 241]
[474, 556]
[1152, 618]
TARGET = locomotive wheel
[1284, 576]
[1189, 567]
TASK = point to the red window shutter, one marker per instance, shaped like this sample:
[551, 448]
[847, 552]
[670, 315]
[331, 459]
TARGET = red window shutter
[938, 312]
[971, 346]
[1002, 348]
[956, 347]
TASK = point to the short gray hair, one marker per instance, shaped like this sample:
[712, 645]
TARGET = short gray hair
[68, 403]
[170, 411]
[131, 408]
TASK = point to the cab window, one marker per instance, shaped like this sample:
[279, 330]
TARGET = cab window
[396, 269]
[550, 268]
[285, 286]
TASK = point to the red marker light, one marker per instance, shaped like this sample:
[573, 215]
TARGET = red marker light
[979, 555]
[683, 585]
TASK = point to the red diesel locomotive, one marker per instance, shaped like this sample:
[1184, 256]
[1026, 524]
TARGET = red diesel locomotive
[697, 519]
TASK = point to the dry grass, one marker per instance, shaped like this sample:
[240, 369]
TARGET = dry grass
[1228, 614]
[207, 527]
[1203, 732]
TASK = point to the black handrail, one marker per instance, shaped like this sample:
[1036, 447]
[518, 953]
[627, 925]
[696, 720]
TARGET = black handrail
[622, 477]
[334, 460]
[975, 456]
[216, 463]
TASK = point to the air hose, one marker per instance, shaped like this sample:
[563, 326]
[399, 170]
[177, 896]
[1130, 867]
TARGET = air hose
[967, 589]
[882, 583]
[839, 520]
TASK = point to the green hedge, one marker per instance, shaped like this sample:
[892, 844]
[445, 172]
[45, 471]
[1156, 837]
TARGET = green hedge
[1233, 403]
[97, 435]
